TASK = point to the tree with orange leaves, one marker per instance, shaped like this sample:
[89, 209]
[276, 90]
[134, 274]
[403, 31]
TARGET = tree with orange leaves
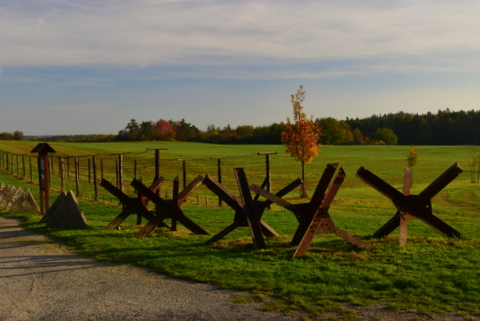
[164, 130]
[301, 137]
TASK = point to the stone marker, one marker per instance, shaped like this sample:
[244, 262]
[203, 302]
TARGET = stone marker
[68, 214]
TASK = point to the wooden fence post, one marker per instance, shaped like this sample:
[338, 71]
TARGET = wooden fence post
[77, 178]
[157, 164]
[52, 165]
[7, 158]
[184, 170]
[23, 165]
[219, 175]
[95, 187]
[16, 164]
[267, 169]
[120, 172]
[62, 174]
[31, 168]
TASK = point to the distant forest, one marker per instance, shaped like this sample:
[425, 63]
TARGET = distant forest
[443, 128]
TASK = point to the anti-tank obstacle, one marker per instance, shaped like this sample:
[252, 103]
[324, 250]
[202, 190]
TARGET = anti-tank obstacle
[313, 217]
[248, 210]
[412, 206]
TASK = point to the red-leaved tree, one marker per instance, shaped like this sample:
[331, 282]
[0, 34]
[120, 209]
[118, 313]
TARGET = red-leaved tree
[301, 138]
[164, 130]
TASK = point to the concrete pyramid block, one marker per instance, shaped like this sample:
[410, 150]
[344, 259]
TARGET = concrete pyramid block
[13, 199]
[2, 190]
[7, 195]
[68, 214]
[51, 211]
[25, 203]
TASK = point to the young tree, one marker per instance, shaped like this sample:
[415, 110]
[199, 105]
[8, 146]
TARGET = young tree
[412, 158]
[474, 163]
[301, 137]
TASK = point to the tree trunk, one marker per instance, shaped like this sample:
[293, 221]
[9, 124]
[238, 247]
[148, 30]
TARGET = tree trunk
[304, 193]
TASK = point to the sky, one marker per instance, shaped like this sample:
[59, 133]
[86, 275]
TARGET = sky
[90, 66]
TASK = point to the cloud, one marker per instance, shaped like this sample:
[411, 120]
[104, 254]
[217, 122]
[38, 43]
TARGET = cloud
[214, 33]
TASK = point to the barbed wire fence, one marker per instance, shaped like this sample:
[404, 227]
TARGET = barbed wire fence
[82, 174]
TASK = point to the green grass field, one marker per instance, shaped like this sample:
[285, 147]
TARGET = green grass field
[431, 274]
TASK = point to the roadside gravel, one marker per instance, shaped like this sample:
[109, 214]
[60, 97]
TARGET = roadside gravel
[41, 280]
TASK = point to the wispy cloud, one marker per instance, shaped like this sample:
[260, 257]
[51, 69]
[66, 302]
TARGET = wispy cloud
[145, 32]
[70, 66]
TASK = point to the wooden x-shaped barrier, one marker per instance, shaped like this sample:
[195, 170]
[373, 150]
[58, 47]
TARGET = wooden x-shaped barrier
[412, 206]
[169, 209]
[130, 205]
[313, 217]
[248, 210]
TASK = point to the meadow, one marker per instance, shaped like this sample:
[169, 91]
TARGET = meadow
[431, 274]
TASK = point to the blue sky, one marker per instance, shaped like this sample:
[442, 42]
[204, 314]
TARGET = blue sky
[88, 67]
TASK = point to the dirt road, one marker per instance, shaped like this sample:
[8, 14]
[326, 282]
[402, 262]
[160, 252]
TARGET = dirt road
[41, 280]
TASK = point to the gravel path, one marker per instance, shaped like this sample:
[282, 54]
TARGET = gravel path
[41, 280]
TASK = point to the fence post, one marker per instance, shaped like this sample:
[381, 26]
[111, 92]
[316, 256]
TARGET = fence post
[219, 174]
[95, 187]
[62, 174]
[184, 170]
[23, 165]
[17, 161]
[52, 165]
[157, 164]
[77, 178]
[120, 172]
[31, 168]
[267, 168]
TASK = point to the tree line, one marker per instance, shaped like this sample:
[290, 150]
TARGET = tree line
[16, 135]
[442, 128]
